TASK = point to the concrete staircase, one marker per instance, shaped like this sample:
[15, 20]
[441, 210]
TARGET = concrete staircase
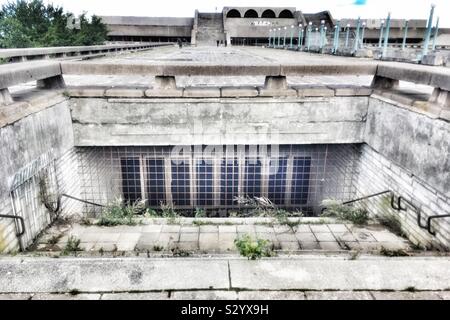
[210, 28]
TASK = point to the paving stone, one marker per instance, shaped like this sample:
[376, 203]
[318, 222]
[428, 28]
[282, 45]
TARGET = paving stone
[209, 241]
[400, 295]
[108, 237]
[188, 237]
[363, 236]
[385, 236]
[369, 246]
[152, 228]
[288, 237]
[186, 245]
[126, 246]
[289, 246]
[281, 229]
[267, 236]
[338, 228]
[209, 229]
[136, 296]
[302, 228]
[345, 237]
[168, 237]
[338, 295]
[325, 237]
[319, 228]
[227, 229]
[444, 295]
[170, 228]
[246, 229]
[330, 246]
[226, 242]
[149, 237]
[129, 237]
[306, 237]
[104, 246]
[263, 229]
[271, 295]
[310, 245]
[204, 295]
[189, 229]
[88, 237]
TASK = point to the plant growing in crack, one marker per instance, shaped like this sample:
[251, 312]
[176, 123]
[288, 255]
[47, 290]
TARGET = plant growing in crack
[253, 249]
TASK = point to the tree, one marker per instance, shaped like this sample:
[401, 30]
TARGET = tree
[31, 23]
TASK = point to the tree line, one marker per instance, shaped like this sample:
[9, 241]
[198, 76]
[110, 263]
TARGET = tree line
[31, 23]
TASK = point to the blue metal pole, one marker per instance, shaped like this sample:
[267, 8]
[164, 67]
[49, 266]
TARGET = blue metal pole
[358, 27]
[405, 35]
[381, 34]
[309, 35]
[347, 35]
[363, 34]
[386, 34]
[436, 31]
[337, 31]
[428, 33]
[322, 24]
[300, 30]
[284, 39]
[270, 37]
[279, 37]
[302, 36]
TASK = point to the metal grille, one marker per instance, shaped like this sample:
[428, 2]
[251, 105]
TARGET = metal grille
[295, 177]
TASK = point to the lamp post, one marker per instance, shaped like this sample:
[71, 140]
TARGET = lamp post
[363, 34]
[405, 34]
[436, 30]
[322, 26]
[428, 33]
[309, 35]
[300, 37]
[386, 34]
[358, 27]
[279, 37]
[381, 34]
[347, 35]
[292, 36]
[270, 38]
[284, 38]
[337, 29]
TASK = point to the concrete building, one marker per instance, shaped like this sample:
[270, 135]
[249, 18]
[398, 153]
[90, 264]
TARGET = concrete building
[251, 26]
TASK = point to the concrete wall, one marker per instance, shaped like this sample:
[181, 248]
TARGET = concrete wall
[408, 153]
[257, 27]
[101, 122]
[20, 144]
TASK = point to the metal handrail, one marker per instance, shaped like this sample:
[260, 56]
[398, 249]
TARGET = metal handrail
[22, 223]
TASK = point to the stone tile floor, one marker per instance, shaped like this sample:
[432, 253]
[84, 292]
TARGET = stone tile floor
[211, 236]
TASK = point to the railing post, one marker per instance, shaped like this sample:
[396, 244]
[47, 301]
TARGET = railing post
[284, 38]
[270, 37]
[309, 35]
[337, 30]
[428, 32]
[405, 35]
[5, 97]
[322, 25]
[56, 82]
[363, 34]
[300, 37]
[347, 36]
[436, 31]
[386, 34]
[279, 37]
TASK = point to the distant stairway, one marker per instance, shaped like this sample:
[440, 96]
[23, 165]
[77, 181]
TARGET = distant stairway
[210, 28]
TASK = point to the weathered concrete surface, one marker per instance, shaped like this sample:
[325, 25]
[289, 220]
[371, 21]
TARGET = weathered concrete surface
[218, 121]
[415, 141]
[13, 74]
[38, 275]
[109, 275]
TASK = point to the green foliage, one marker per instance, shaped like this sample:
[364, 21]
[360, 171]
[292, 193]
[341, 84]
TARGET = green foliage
[392, 223]
[253, 249]
[72, 246]
[357, 216]
[200, 213]
[31, 23]
[169, 213]
[120, 213]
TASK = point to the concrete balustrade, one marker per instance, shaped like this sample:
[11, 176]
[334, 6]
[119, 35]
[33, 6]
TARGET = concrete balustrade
[26, 54]
[386, 76]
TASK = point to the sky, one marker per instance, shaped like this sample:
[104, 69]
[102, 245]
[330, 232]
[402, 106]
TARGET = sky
[409, 9]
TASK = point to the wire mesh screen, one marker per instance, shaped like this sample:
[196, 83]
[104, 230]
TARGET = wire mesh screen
[297, 177]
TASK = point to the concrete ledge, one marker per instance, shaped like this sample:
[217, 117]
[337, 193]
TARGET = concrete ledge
[87, 92]
[164, 93]
[236, 92]
[277, 93]
[348, 91]
[205, 92]
[14, 74]
[125, 92]
[314, 91]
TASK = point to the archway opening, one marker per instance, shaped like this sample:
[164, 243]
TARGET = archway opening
[268, 14]
[251, 14]
[286, 14]
[233, 14]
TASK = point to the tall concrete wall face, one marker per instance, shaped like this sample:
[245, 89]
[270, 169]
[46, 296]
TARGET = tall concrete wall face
[33, 147]
[407, 153]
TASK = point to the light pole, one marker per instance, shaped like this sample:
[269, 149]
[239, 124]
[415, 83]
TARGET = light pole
[356, 44]
[381, 34]
[292, 36]
[436, 30]
[300, 37]
[309, 35]
[428, 33]
[405, 34]
[386, 34]
[347, 35]
[284, 38]
[363, 34]
[337, 30]
[270, 38]
[322, 25]
[279, 37]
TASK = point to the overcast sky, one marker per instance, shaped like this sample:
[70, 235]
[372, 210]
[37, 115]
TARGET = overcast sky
[418, 9]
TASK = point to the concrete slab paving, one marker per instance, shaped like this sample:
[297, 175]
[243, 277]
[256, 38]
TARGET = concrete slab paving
[271, 295]
[338, 295]
[204, 295]
[136, 296]
[67, 296]
[406, 296]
